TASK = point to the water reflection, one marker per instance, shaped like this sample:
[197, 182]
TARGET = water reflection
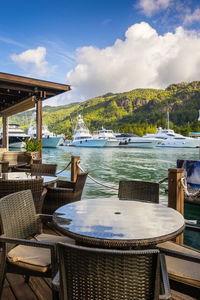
[99, 219]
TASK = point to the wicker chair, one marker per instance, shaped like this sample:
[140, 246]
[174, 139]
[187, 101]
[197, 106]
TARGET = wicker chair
[139, 190]
[35, 185]
[4, 167]
[44, 169]
[183, 266]
[20, 254]
[65, 192]
[91, 273]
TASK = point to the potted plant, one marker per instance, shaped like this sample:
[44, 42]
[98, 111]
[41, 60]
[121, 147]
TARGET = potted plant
[33, 148]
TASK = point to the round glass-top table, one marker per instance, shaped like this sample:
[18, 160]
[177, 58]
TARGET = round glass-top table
[26, 175]
[118, 223]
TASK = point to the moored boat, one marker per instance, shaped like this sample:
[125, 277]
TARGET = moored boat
[112, 141]
[49, 139]
[174, 140]
[16, 136]
[83, 138]
[140, 142]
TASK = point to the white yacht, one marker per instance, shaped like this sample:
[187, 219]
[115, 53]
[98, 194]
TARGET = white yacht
[174, 140]
[140, 142]
[112, 141]
[49, 139]
[16, 136]
[83, 138]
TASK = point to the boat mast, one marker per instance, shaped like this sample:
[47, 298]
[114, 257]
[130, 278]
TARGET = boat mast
[168, 119]
[199, 116]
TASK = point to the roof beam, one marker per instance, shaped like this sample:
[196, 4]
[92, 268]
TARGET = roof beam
[19, 107]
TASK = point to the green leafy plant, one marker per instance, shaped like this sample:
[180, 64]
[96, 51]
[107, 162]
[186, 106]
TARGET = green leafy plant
[33, 145]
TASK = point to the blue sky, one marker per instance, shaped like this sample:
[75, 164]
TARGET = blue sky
[101, 46]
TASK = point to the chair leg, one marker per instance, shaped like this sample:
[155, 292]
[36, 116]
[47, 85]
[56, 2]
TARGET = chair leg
[2, 275]
[26, 278]
[55, 295]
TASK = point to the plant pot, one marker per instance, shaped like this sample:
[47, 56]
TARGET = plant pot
[33, 155]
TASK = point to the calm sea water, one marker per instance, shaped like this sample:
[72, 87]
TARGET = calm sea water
[110, 165]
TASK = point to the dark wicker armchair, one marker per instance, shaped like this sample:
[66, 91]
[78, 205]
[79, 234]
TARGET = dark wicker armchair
[139, 190]
[65, 192]
[91, 273]
[44, 169]
[35, 185]
[4, 166]
[20, 254]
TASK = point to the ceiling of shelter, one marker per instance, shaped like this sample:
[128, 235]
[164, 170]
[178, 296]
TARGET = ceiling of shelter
[22, 92]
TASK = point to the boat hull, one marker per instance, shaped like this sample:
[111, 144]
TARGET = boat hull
[181, 144]
[141, 143]
[112, 143]
[51, 142]
[16, 142]
[89, 143]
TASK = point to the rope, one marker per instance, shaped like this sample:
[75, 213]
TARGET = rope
[163, 180]
[64, 168]
[185, 189]
[96, 181]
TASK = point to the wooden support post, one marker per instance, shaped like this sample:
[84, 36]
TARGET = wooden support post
[39, 122]
[74, 168]
[176, 194]
[5, 132]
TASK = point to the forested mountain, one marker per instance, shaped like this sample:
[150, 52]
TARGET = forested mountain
[137, 111]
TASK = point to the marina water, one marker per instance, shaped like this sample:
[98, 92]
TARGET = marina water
[110, 165]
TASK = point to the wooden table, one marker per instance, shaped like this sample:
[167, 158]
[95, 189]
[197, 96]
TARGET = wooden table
[118, 223]
[26, 175]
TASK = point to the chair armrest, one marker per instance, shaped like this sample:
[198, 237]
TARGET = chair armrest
[59, 189]
[66, 184]
[165, 279]
[32, 243]
[180, 255]
[45, 218]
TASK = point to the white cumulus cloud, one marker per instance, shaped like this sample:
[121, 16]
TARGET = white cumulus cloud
[144, 59]
[149, 7]
[33, 61]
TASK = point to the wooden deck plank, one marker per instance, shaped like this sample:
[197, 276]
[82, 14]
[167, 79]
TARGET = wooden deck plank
[179, 296]
[7, 292]
[20, 288]
[40, 288]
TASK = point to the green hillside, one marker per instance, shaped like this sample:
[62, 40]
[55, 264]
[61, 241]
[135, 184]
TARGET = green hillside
[137, 111]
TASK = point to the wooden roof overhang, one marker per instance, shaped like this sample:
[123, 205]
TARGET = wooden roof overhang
[18, 93]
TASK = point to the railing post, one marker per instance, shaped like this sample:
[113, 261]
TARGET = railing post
[74, 168]
[176, 194]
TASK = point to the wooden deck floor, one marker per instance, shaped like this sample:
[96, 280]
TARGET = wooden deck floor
[40, 288]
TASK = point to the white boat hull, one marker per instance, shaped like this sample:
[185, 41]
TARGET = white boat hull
[17, 145]
[111, 143]
[137, 142]
[51, 142]
[89, 143]
[170, 143]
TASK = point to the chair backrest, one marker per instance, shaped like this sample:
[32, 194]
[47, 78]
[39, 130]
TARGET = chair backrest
[18, 216]
[44, 169]
[35, 185]
[139, 190]
[79, 185]
[90, 273]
